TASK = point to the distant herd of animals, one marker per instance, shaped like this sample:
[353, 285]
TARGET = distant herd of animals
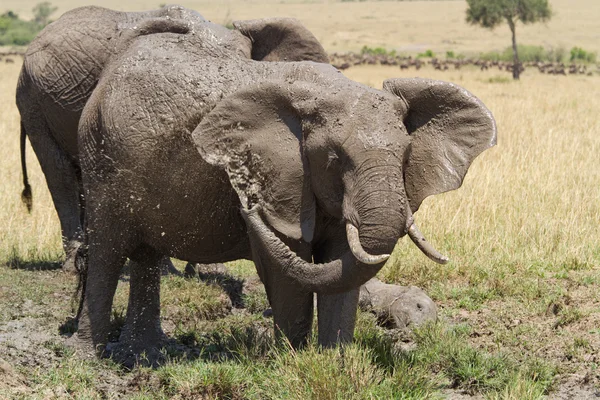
[347, 60]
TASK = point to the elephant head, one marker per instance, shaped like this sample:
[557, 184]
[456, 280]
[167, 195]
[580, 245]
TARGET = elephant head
[281, 39]
[366, 158]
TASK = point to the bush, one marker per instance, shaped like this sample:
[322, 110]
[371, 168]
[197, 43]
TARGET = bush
[526, 53]
[14, 31]
[558, 54]
[531, 53]
[17, 32]
[491, 56]
[579, 54]
[427, 53]
[377, 51]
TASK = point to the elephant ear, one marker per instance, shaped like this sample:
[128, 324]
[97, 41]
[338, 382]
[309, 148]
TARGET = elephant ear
[255, 136]
[281, 39]
[449, 128]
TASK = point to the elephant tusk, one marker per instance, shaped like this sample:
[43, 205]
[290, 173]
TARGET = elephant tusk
[423, 245]
[357, 249]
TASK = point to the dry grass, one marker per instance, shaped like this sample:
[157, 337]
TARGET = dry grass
[31, 236]
[523, 232]
[534, 198]
[408, 26]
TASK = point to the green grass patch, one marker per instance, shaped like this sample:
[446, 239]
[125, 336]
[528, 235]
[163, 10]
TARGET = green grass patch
[536, 53]
[17, 32]
[377, 51]
[498, 79]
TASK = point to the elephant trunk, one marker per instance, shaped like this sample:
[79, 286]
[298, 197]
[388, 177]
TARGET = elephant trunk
[377, 214]
[380, 205]
[373, 191]
[375, 206]
[336, 276]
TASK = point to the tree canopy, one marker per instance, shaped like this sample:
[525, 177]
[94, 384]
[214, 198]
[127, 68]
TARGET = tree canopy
[15, 31]
[42, 12]
[491, 13]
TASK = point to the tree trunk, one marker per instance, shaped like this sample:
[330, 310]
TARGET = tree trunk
[516, 70]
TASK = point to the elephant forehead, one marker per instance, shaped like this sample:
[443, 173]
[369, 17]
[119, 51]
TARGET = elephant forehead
[375, 120]
[379, 131]
[377, 139]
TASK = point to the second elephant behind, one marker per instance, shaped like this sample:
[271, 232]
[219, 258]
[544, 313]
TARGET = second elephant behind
[62, 67]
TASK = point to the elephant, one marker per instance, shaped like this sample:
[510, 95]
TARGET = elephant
[190, 150]
[397, 307]
[63, 64]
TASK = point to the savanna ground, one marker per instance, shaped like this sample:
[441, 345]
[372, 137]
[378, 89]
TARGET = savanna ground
[519, 302]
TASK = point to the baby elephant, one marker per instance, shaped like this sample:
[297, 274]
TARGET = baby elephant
[397, 306]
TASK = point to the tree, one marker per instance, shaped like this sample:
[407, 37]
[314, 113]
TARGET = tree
[42, 12]
[491, 13]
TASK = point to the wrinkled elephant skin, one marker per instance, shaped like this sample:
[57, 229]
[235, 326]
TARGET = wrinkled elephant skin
[62, 67]
[190, 150]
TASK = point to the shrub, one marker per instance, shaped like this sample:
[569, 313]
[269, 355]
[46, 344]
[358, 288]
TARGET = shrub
[17, 32]
[377, 51]
[579, 54]
[526, 53]
[539, 54]
[557, 54]
[14, 31]
[428, 53]
[491, 56]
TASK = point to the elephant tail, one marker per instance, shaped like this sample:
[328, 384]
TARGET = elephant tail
[81, 265]
[26, 196]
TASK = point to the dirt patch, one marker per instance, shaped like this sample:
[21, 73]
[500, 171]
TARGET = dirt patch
[10, 380]
[576, 387]
[563, 331]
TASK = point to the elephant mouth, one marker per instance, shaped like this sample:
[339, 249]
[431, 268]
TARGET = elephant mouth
[338, 275]
[413, 232]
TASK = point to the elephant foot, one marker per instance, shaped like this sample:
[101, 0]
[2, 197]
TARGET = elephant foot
[139, 345]
[134, 354]
[167, 267]
[191, 270]
[83, 346]
[73, 261]
[397, 306]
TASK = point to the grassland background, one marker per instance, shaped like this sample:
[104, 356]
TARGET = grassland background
[407, 26]
[523, 232]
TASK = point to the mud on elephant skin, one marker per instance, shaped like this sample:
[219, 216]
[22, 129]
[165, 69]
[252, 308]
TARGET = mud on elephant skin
[227, 158]
[64, 63]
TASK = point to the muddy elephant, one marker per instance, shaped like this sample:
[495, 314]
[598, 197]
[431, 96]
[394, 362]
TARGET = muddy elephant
[192, 151]
[62, 67]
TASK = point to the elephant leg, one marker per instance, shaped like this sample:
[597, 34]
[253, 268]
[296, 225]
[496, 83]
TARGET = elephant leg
[105, 259]
[292, 306]
[292, 311]
[142, 332]
[167, 267]
[336, 316]
[64, 185]
[336, 313]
